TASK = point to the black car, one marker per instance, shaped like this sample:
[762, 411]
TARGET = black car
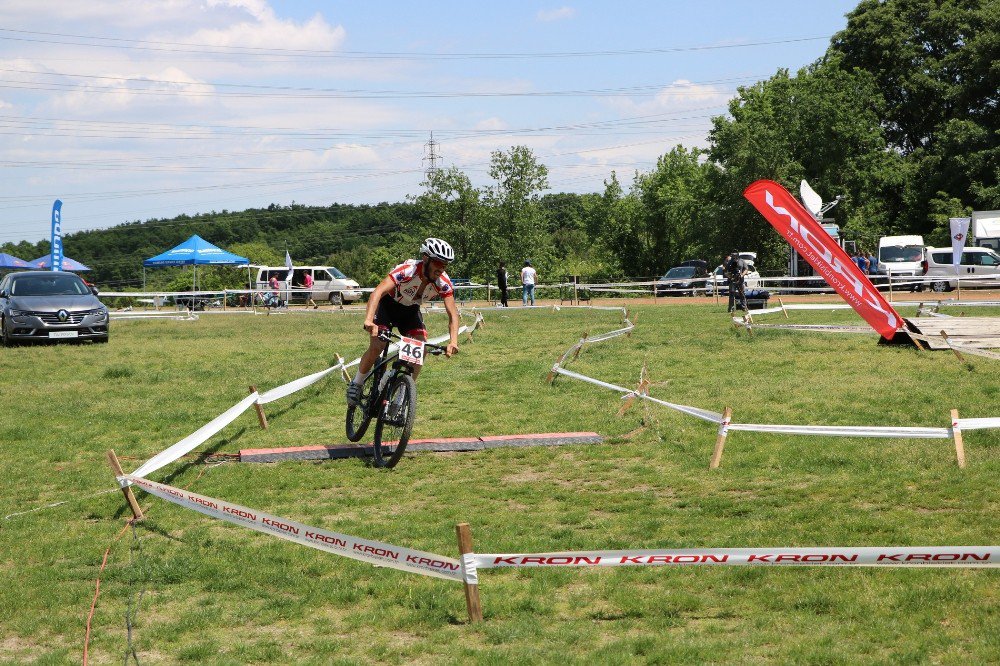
[683, 280]
[50, 305]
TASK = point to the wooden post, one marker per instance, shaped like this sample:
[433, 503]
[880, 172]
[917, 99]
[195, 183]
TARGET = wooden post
[126, 490]
[956, 432]
[641, 389]
[471, 590]
[260, 410]
[783, 307]
[579, 345]
[948, 342]
[720, 441]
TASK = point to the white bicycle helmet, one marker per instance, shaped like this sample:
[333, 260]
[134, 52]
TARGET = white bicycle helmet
[435, 248]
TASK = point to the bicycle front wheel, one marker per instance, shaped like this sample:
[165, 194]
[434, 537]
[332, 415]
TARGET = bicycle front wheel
[360, 416]
[395, 421]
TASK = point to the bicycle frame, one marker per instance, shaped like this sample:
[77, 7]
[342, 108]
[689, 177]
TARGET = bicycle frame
[384, 359]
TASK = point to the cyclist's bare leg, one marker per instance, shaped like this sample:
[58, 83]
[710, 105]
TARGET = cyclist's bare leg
[416, 368]
[369, 358]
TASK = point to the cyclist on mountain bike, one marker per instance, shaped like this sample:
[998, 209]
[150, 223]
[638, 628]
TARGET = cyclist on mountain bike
[396, 303]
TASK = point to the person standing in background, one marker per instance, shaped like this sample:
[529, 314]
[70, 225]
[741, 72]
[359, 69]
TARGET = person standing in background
[528, 278]
[307, 282]
[502, 284]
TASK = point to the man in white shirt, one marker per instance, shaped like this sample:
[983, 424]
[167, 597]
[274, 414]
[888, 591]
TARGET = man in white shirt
[528, 278]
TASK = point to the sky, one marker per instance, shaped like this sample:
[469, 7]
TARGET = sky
[129, 111]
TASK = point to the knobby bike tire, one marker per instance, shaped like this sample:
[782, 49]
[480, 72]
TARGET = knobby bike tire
[394, 422]
[360, 416]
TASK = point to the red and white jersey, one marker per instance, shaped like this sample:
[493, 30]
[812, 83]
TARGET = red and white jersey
[408, 276]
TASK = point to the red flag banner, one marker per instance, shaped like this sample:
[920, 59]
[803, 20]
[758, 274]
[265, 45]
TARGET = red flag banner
[828, 259]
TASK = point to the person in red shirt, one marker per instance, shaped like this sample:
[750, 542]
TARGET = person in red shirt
[396, 303]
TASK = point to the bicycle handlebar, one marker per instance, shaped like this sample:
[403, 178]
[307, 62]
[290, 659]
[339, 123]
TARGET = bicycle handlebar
[437, 350]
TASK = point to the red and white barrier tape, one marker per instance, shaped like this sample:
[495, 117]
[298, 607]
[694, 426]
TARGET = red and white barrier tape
[924, 556]
[374, 552]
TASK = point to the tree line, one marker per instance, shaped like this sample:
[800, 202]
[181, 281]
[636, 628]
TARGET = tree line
[901, 116]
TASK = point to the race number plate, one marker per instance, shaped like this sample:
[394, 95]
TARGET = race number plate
[411, 351]
[63, 334]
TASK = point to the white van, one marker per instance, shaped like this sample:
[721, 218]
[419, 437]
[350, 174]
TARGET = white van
[900, 256]
[980, 267]
[329, 284]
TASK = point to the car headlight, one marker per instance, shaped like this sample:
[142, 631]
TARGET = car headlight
[101, 313]
[17, 314]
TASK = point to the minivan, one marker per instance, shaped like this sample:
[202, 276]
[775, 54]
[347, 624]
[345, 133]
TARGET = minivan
[329, 284]
[980, 267]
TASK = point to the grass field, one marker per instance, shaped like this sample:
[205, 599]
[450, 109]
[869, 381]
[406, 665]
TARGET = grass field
[216, 593]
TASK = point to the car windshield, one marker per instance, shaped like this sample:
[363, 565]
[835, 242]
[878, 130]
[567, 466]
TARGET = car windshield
[48, 285]
[896, 254]
[680, 272]
[336, 273]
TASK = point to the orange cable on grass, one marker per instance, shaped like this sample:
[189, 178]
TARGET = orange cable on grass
[97, 589]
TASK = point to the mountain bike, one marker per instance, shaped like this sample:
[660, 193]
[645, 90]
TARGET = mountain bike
[389, 396]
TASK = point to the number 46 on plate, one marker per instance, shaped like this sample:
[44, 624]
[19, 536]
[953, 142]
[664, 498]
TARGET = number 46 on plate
[411, 350]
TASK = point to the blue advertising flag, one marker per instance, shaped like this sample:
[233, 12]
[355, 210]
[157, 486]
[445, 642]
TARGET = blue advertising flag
[57, 253]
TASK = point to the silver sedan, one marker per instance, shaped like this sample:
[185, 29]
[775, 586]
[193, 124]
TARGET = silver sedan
[50, 305]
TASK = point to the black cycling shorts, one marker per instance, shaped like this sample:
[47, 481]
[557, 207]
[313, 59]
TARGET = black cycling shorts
[405, 318]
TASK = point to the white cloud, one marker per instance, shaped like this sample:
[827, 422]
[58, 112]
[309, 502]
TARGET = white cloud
[678, 96]
[560, 14]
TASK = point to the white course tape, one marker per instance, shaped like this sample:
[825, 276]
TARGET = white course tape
[196, 438]
[714, 417]
[848, 431]
[931, 556]
[297, 385]
[979, 424]
[375, 552]
[469, 573]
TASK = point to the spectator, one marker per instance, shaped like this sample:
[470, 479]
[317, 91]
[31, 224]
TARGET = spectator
[736, 270]
[307, 282]
[872, 264]
[502, 284]
[528, 278]
[862, 261]
[275, 289]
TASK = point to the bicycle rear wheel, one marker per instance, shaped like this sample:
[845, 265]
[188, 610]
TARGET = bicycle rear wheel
[360, 416]
[395, 421]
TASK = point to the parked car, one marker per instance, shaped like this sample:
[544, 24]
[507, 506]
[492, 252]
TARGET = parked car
[50, 305]
[329, 284]
[980, 267]
[684, 279]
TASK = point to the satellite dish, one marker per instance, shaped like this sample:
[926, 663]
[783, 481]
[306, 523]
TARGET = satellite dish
[809, 197]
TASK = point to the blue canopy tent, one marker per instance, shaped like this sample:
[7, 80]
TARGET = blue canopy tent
[67, 264]
[195, 251]
[10, 261]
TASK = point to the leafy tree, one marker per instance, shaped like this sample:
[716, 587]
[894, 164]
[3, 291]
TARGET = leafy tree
[513, 202]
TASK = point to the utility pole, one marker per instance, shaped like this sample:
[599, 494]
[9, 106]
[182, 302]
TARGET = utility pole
[431, 157]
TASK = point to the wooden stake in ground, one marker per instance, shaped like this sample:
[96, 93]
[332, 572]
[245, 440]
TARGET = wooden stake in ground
[579, 345]
[783, 307]
[641, 389]
[126, 490]
[956, 432]
[720, 441]
[471, 590]
[260, 410]
[948, 342]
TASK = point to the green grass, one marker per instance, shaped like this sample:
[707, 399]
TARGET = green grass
[216, 593]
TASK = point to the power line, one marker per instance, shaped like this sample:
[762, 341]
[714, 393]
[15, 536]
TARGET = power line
[242, 51]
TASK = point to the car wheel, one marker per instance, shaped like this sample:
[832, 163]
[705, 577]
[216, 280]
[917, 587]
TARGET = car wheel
[5, 339]
[336, 298]
[940, 286]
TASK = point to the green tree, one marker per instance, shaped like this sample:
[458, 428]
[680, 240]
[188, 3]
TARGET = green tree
[518, 226]
[935, 64]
